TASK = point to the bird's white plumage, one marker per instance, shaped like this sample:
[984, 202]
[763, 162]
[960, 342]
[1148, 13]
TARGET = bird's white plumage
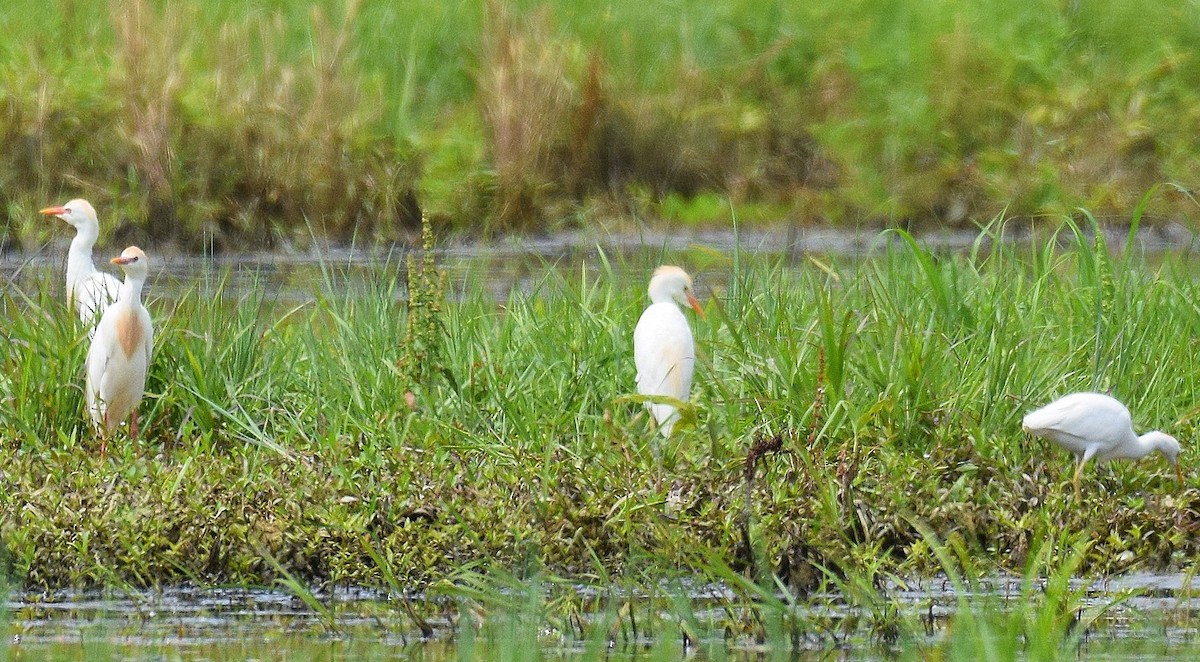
[663, 348]
[119, 356]
[665, 356]
[1080, 422]
[89, 290]
[1097, 426]
[92, 294]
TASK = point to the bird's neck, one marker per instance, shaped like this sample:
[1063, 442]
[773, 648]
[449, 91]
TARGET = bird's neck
[1150, 441]
[131, 290]
[1143, 446]
[660, 295]
[79, 257]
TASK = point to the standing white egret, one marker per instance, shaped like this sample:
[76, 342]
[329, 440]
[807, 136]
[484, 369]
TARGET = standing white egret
[119, 357]
[88, 290]
[663, 349]
[1094, 425]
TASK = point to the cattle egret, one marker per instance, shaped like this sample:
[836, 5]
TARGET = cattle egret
[662, 344]
[88, 290]
[1094, 425]
[119, 357]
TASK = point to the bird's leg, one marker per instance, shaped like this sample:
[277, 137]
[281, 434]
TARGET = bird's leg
[133, 426]
[104, 436]
[656, 451]
[1075, 481]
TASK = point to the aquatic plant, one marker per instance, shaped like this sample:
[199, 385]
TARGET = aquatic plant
[422, 356]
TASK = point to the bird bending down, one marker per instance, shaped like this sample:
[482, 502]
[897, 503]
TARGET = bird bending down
[1094, 425]
[662, 344]
[88, 290]
[119, 357]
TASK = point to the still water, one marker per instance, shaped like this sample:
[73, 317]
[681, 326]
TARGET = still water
[1155, 618]
[517, 264]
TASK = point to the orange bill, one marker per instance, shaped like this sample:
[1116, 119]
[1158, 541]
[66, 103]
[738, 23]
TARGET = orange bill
[53, 211]
[695, 305]
[124, 260]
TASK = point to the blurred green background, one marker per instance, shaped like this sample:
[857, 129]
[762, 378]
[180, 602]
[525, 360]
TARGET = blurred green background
[234, 124]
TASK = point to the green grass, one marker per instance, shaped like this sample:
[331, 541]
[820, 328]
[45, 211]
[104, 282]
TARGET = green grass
[226, 124]
[277, 435]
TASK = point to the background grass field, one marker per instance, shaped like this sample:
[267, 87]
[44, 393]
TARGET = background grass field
[234, 124]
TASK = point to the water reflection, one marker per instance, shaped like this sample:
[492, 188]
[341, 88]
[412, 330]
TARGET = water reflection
[1158, 607]
[517, 264]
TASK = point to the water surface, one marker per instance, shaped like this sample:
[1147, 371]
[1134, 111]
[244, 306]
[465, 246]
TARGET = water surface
[1155, 618]
[517, 264]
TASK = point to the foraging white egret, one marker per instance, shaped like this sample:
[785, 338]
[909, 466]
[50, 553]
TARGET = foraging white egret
[1094, 425]
[663, 349]
[88, 290]
[119, 357]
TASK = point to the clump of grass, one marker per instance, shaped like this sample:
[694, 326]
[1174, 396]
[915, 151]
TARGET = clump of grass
[304, 150]
[525, 103]
[147, 80]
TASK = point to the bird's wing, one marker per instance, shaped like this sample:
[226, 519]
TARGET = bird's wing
[100, 354]
[94, 293]
[1079, 421]
[664, 352]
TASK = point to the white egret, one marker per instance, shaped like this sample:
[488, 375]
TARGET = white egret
[1094, 425]
[119, 357]
[88, 290]
[663, 349]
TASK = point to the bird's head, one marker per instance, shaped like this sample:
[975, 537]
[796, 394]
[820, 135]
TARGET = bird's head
[78, 212]
[671, 283]
[133, 261]
[1168, 446]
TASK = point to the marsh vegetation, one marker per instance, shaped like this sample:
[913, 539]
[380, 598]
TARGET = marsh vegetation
[837, 403]
[473, 452]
